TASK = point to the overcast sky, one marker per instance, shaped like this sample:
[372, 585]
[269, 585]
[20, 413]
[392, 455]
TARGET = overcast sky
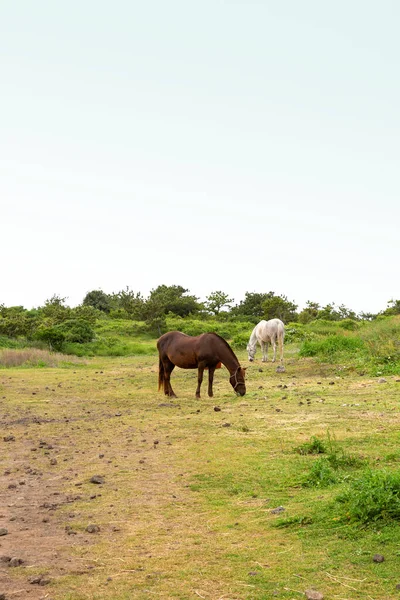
[219, 145]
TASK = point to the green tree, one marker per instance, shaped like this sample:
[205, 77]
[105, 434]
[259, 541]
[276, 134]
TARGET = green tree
[251, 306]
[98, 299]
[76, 330]
[174, 299]
[132, 303]
[309, 313]
[216, 301]
[53, 336]
[55, 310]
[393, 308]
[279, 307]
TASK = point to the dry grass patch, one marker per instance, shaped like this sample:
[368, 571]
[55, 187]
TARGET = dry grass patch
[33, 357]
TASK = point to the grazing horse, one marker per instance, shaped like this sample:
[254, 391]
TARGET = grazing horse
[266, 332]
[206, 351]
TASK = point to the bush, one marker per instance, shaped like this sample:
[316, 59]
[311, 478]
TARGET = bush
[349, 324]
[52, 336]
[76, 331]
[240, 341]
[330, 346]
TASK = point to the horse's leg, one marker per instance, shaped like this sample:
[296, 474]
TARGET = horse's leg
[168, 368]
[273, 342]
[264, 348]
[211, 371]
[281, 347]
[200, 372]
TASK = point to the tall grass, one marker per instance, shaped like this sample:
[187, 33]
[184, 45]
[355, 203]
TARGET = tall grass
[33, 357]
[373, 346]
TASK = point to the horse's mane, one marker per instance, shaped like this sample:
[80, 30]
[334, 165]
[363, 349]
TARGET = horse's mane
[222, 340]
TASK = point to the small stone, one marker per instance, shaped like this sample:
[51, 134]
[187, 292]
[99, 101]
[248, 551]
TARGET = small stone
[331, 383]
[277, 510]
[226, 424]
[217, 409]
[3, 531]
[15, 562]
[378, 558]
[53, 461]
[280, 369]
[253, 573]
[97, 479]
[5, 559]
[382, 380]
[92, 528]
[260, 370]
[313, 595]
[9, 438]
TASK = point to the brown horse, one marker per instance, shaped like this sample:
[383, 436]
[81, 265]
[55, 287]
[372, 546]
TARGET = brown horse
[206, 351]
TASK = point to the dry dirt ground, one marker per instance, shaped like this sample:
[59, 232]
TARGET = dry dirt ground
[30, 498]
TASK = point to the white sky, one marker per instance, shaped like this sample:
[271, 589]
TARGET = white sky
[219, 145]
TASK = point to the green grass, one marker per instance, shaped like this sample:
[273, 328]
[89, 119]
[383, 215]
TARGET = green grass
[195, 511]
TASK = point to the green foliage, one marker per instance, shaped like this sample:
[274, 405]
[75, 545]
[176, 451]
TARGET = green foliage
[216, 301]
[76, 331]
[240, 341]
[309, 313]
[230, 330]
[55, 310]
[375, 496]
[87, 313]
[332, 467]
[279, 307]
[130, 303]
[330, 346]
[314, 446]
[321, 474]
[393, 308]
[99, 300]
[349, 324]
[296, 332]
[173, 298]
[53, 336]
[251, 307]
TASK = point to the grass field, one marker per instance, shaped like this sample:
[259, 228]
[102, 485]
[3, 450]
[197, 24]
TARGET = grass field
[187, 507]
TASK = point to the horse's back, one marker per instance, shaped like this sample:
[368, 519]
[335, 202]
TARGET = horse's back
[274, 328]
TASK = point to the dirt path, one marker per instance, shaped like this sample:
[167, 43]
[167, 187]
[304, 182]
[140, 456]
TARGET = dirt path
[37, 546]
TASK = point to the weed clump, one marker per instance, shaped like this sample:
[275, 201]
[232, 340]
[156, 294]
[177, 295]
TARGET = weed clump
[375, 496]
[331, 468]
[314, 446]
[321, 474]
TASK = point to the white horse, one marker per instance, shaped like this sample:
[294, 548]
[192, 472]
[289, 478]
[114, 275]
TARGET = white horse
[266, 332]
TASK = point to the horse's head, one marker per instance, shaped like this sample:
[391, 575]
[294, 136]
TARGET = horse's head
[237, 381]
[251, 351]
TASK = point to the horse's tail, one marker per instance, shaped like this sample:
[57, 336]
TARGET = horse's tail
[161, 374]
[281, 337]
